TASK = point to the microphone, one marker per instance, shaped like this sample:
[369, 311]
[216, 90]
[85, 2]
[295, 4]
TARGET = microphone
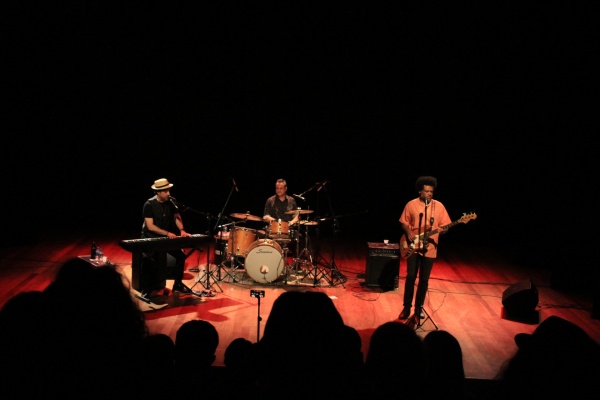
[174, 203]
[321, 184]
[427, 202]
[298, 196]
[235, 185]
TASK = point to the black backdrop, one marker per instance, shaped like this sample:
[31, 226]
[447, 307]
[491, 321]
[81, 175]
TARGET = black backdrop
[492, 100]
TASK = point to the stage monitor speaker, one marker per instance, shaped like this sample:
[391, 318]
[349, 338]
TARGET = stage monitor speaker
[520, 299]
[383, 266]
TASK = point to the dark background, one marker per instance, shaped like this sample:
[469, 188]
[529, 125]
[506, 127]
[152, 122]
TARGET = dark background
[495, 101]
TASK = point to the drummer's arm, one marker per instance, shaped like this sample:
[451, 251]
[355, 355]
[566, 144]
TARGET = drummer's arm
[295, 219]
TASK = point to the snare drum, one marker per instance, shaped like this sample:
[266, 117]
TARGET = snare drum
[279, 229]
[264, 261]
[240, 240]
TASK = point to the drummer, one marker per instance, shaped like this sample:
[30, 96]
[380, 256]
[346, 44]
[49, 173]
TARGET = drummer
[277, 205]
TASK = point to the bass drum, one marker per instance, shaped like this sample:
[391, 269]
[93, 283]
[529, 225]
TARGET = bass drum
[264, 261]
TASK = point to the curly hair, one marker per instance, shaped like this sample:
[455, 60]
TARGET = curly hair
[425, 181]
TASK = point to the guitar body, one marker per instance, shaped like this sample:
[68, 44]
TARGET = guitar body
[418, 244]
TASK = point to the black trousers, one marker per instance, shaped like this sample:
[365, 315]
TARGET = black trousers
[421, 266]
[155, 271]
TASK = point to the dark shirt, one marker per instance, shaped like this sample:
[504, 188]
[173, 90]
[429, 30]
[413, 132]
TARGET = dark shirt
[277, 208]
[163, 215]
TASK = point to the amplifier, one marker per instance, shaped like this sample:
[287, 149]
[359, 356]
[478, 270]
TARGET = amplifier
[383, 265]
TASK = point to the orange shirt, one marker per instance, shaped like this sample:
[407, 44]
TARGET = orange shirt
[415, 212]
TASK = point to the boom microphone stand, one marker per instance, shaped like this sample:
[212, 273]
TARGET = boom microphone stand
[335, 272]
[208, 274]
[231, 233]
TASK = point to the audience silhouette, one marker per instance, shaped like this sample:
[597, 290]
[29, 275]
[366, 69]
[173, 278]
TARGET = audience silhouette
[22, 329]
[395, 364]
[302, 344]
[93, 338]
[95, 344]
[196, 343]
[559, 359]
[445, 376]
[159, 352]
[237, 361]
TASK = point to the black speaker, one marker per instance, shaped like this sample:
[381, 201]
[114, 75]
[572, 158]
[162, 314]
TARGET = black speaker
[520, 299]
[383, 266]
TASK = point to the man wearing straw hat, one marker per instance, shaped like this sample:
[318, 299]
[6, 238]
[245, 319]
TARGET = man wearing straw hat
[162, 219]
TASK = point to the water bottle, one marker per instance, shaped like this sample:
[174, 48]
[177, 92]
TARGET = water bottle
[396, 282]
[93, 251]
[99, 255]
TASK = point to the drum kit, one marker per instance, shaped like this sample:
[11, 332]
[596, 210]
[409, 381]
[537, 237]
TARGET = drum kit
[263, 254]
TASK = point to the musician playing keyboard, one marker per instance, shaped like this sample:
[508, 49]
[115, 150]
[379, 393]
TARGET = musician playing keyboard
[162, 219]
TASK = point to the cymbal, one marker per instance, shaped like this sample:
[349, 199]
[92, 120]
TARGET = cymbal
[308, 223]
[299, 212]
[246, 216]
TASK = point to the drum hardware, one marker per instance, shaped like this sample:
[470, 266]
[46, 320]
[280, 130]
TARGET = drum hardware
[231, 237]
[247, 216]
[298, 211]
[279, 230]
[265, 262]
[308, 258]
[308, 223]
[240, 239]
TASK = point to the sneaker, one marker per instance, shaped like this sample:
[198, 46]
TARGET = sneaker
[405, 313]
[420, 313]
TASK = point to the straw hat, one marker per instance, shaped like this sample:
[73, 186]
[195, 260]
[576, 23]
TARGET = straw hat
[161, 184]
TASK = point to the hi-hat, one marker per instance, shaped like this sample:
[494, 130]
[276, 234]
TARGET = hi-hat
[308, 223]
[299, 212]
[246, 216]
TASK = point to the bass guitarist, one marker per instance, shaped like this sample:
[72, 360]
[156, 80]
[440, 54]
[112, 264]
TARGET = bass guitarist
[421, 215]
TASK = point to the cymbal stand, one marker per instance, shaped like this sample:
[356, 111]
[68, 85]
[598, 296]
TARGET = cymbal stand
[286, 266]
[314, 271]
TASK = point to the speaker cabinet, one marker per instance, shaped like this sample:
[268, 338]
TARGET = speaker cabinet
[520, 300]
[383, 265]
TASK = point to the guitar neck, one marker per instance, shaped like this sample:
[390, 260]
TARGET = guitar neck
[445, 227]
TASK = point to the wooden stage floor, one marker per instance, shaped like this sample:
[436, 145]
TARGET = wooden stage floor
[464, 298]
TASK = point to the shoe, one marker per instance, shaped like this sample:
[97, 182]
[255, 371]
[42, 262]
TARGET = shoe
[405, 313]
[181, 288]
[154, 293]
[420, 312]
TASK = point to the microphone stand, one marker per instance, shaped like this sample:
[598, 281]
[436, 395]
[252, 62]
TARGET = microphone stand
[335, 272]
[231, 235]
[207, 272]
[423, 223]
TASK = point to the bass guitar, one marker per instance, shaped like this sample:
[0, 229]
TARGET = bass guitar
[416, 246]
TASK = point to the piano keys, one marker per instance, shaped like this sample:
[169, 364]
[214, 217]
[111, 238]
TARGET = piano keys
[146, 245]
